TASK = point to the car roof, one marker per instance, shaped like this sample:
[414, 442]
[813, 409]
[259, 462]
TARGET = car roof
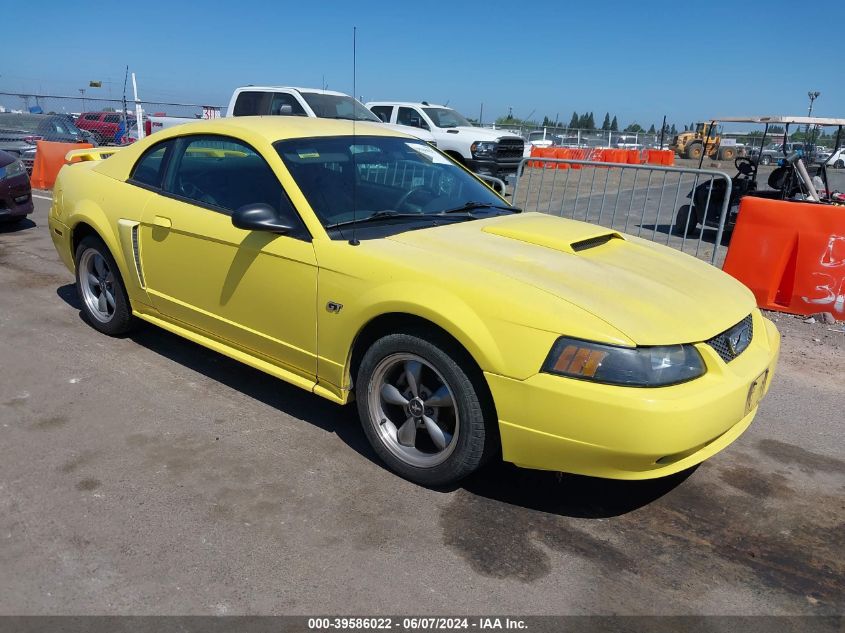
[252, 129]
[418, 104]
[276, 128]
[297, 89]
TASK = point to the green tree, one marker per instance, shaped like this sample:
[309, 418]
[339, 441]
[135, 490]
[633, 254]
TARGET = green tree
[614, 126]
[573, 122]
[634, 128]
[673, 130]
[590, 122]
[606, 123]
[651, 129]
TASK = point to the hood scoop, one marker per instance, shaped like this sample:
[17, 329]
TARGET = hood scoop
[545, 230]
[592, 242]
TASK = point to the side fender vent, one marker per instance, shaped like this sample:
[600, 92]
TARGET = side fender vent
[593, 242]
[137, 255]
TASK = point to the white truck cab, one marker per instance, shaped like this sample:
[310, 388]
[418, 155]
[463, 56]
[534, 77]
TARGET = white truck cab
[308, 102]
[485, 151]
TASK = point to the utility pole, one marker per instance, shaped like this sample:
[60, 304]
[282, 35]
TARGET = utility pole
[813, 94]
[82, 92]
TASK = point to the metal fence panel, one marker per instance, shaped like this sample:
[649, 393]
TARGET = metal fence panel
[642, 200]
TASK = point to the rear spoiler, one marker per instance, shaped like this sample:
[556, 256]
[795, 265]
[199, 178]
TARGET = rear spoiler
[90, 153]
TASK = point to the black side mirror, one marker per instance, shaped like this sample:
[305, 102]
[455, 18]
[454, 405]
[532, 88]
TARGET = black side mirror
[260, 217]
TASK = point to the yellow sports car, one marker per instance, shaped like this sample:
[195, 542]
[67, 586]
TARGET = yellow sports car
[356, 262]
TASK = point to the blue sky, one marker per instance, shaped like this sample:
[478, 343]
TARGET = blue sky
[638, 60]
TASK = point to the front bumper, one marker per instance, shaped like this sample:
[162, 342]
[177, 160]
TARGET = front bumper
[553, 423]
[491, 167]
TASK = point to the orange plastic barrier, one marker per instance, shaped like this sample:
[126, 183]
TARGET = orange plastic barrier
[668, 157]
[562, 152]
[632, 157]
[791, 255]
[49, 159]
[542, 152]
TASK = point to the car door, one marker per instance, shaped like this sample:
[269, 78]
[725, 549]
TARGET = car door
[255, 290]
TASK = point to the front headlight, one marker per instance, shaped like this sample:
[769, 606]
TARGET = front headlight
[481, 149]
[12, 169]
[629, 366]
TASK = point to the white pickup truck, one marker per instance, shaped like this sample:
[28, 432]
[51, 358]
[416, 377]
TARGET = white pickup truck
[484, 151]
[308, 102]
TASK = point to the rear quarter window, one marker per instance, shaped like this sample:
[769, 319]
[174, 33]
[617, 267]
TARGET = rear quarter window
[149, 170]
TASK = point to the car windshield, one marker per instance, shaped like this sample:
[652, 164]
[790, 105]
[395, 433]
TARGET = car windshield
[338, 107]
[446, 117]
[351, 179]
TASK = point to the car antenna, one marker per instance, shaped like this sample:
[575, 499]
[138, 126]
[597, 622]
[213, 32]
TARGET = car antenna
[354, 241]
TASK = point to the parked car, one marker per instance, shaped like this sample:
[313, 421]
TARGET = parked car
[19, 133]
[105, 126]
[370, 266]
[87, 135]
[490, 152]
[309, 102]
[836, 159]
[15, 191]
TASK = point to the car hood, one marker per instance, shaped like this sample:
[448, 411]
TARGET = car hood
[653, 294]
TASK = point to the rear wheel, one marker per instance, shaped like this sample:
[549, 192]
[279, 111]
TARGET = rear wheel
[765, 159]
[685, 222]
[727, 153]
[105, 303]
[421, 410]
[694, 151]
[839, 164]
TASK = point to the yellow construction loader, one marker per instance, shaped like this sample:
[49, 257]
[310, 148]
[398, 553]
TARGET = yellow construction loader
[705, 139]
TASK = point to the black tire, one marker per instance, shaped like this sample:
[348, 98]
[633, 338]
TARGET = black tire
[476, 438]
[727, 153]
[681, 227]
[765, 159]
[839, 164]
[120, 319]
[694, 151]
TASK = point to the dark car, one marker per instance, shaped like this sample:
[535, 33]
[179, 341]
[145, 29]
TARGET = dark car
[19, 133]
[106, 127]
[15, 191]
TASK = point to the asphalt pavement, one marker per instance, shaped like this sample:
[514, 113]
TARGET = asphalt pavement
[148, 475]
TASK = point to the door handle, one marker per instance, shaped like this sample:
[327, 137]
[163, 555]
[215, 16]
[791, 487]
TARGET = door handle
[162, 221]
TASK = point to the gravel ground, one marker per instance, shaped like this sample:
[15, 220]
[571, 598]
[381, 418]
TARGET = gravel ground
[147, 475]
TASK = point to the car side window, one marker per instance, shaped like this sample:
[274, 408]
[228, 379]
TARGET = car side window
[382, 112]
[149, 170]
[224, 174]
[92, 117]
[409, 116]
[251, 103]
[111, 118]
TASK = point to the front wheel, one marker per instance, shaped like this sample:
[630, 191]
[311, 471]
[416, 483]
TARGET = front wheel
[694, 151]
[766, 160]
[421, 411]
[839, 164]
[105, 303]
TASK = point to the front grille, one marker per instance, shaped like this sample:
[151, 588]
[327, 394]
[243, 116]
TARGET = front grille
[510, 148]
[722, 342]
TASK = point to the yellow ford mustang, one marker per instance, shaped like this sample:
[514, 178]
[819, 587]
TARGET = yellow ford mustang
[364, 262]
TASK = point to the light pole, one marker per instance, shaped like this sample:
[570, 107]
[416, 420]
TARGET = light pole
[813, 94]
[82, 92]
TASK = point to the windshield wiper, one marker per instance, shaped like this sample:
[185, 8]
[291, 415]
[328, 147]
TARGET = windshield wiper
[472, 206]
[387, 214]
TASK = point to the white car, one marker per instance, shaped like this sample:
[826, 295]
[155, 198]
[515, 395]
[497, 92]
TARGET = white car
[836, 159]
[489, 152]
[308, 102]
